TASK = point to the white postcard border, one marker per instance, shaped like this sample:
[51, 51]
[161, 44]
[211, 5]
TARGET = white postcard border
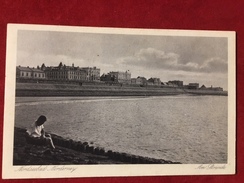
[59, 171]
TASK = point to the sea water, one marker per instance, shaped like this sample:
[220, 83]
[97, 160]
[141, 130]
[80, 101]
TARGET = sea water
[184, 128]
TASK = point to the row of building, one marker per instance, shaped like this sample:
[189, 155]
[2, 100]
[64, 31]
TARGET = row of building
[60, 72]
[81, 74]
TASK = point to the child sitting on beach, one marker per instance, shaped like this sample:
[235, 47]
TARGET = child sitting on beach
[36, 133]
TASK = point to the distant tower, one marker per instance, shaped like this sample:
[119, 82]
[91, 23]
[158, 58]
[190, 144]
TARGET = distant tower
[60, 65]
[42, 67]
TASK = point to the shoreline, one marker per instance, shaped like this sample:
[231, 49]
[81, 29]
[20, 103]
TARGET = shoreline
[70, 152]
[50, 90]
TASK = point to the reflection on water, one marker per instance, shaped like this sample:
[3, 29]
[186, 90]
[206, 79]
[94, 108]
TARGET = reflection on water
[188, 129]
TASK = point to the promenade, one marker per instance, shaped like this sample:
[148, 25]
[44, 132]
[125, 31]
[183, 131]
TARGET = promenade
[43, 89]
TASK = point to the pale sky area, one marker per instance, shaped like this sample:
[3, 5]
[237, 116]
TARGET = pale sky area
[189, 59]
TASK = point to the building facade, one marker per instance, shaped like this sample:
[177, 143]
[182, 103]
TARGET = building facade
[92, 73]
[107, 78]
[192, 86]
[203, 87]
[72, 73]
[29, 73]
[176, 83]
[117, 77]
[141, 80]
[154, 81]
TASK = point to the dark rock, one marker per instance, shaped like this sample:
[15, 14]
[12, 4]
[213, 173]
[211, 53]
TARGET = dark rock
[135, 159]
[128, 158]
[82, 147]
[91, 149]
[86, 147]
[123, 157]
[116, 156]
[60, 141]
[102, 151]
[70, 143]
[78, 146]
[31, 154]
[110, 154]
[54, 157]
[97, 150]
[47, 152]
[73, 145]
[91, 162]
[76, 162]
[66, 143]
[27, 150]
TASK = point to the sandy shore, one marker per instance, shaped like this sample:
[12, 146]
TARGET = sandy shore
[68, 152]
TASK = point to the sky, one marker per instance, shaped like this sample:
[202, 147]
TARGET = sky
[202, 60]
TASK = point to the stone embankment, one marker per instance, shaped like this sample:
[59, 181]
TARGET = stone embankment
[44, 89]
[70, 152]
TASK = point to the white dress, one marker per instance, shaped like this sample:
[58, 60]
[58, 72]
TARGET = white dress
[35, 131]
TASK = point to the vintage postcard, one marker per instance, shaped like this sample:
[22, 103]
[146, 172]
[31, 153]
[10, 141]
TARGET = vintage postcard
[95, 102]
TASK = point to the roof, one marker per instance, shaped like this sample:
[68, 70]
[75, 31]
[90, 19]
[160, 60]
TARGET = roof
[164, 83]
[27, 69]
[24, 68]
[175, 81]
[141, 77]
[193, 84]
[37, 70]
[203, 86]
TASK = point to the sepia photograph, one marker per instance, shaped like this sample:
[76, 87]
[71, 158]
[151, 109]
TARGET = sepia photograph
[90, 101]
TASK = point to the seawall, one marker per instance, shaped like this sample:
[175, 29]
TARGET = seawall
[207, 92]
[44, 89]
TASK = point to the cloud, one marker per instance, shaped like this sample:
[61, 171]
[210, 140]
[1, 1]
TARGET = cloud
[32, 60]
[151, 58]
[37, 59]
[215, 64]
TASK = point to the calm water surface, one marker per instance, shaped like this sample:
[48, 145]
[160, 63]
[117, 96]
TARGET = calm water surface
[188, 129]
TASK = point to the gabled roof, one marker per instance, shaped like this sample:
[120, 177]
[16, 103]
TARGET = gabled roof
[203, 86]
